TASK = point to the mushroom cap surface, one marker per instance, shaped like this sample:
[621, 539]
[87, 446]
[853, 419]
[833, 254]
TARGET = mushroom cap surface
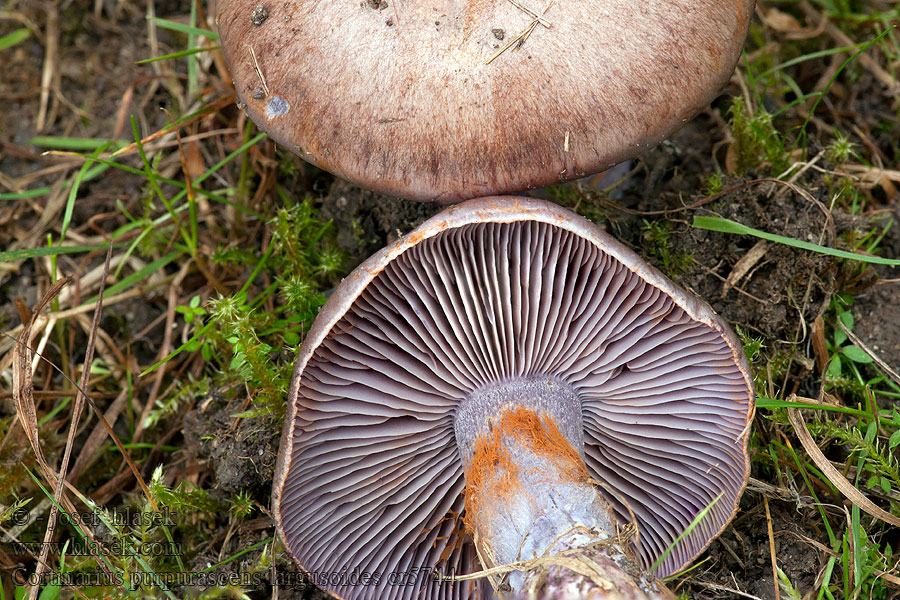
[401, 97]
[494, 294]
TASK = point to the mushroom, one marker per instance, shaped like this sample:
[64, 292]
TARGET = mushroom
[451, 99]
[508, 381]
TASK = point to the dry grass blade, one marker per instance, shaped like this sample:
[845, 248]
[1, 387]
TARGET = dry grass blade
[520, 37]
[23, 385]
[620, 539]
[98, 434]
[207, 110]
[870, 64]
[744, 264]
[78, 310]
[819, 344]
[534, 15]
[259, 73]
[50, 63]
[833, 475]
[722, 588]
[772, 549]
[23, 397]
[12, 535]
[77, 409]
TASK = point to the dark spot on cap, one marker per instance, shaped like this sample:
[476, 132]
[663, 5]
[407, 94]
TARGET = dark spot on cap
[498, 33]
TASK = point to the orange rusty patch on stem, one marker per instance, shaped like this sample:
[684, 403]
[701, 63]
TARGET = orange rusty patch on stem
[493, 477]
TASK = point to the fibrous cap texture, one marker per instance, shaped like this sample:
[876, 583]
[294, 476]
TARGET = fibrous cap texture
[402, 96]
[515, 294]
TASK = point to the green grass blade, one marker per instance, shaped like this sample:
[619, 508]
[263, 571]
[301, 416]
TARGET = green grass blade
[177, 54]
[75, 144]
[152, 176]
[182, 28]
[73, 192]
[26, 194]
[11, 39]
[802, 134]
[53, 412]
[728, 226]
[104, 163]
[191, 60]
[178, 350]
[12, 255]
[132, 247]
[700, 516]
[149, 269]
[773, 403]
[812, 56]
[209, 172]
[84, 537]
[826, 577]
[238, 555]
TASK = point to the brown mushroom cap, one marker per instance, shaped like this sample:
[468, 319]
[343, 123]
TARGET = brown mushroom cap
[495, 300]
[401, 97]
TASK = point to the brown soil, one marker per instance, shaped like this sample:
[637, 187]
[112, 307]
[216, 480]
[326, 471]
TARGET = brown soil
[877, 309]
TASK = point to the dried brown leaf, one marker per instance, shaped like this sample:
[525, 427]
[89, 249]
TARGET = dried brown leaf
[743, 266]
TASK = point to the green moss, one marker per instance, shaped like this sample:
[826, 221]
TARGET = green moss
[757, 143]
[656, 238]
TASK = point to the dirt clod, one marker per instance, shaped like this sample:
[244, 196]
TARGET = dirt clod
[242, 451]
[259, 14]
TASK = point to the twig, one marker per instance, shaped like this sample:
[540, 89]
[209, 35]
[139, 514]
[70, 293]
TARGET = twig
[258, 70]
[537, 17]
[520, 37]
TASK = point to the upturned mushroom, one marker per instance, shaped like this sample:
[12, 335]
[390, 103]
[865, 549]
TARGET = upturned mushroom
[451, 99]
[508, 383]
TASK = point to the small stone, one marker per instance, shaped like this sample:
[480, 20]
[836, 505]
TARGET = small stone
[259, 93]
[259, 15]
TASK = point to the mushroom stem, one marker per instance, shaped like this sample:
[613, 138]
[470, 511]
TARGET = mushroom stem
[531, 501]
